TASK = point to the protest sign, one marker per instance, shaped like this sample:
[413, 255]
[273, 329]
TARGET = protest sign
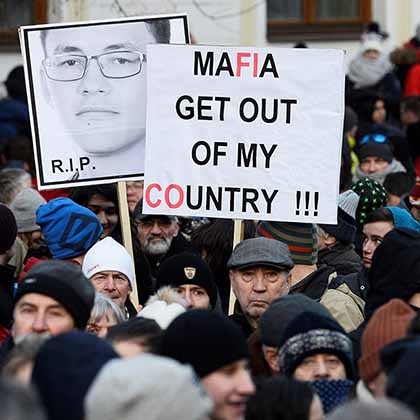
[247, 133]
[86, 85]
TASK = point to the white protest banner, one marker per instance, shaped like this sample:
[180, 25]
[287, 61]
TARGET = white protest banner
[246, 133]
[86, 86]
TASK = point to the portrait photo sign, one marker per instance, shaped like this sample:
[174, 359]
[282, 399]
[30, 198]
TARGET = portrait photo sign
[87, 87]
[248, 133]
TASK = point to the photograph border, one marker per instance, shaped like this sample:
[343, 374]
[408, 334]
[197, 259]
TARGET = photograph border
[23, 34]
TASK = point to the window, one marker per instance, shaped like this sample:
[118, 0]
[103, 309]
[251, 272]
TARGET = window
[15, 13]
[292, 20]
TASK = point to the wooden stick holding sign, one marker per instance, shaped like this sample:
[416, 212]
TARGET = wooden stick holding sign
[126, 234]
[238, 236]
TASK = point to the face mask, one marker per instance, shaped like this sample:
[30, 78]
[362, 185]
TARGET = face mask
[332, 392]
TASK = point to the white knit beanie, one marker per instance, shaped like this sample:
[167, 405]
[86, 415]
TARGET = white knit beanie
[108, 255]
[146, 387]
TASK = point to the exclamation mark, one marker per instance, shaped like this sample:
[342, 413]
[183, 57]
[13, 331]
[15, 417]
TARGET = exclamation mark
[307, 196]
[298, 194]
[316, 199]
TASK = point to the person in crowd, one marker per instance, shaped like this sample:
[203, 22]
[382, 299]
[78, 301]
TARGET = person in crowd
[24, 207]
[371, 69]
[379, 223]
[259, 271]
[8, 232]
[110, 269]
[216, 348]
[388, 323]
[383, 409]
[301, 238]
[159, 237]
[414, 201]
[398, 185]
[399, 360]
[53, 298]
[12, 181]
[395, 270]
[135, 336]
[70, 230]
[214, 241]
[103, 201]
[316, 349]
[19, 403]
[191, 277]
[274, 322]
[335, 242]
[282, 398]
[104, 315]
[376, 159]
[165, 390]
[64, 369]
[19, 363]
[134, 193]
[14, 115]
[410, 110]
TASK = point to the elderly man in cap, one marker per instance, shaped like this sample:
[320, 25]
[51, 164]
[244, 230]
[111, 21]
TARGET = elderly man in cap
[159, 237]
[259, 271]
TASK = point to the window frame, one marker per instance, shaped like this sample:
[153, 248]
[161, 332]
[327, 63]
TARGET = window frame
[9, 38]
[311, 29]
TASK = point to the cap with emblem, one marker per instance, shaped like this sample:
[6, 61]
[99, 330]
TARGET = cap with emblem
[187, 268]
[261, 251]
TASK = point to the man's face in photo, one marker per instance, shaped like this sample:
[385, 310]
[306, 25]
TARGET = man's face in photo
[101, 99]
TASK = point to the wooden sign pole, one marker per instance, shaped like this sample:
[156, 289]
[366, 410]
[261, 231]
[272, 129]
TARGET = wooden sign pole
[238, 236]
[126, 233]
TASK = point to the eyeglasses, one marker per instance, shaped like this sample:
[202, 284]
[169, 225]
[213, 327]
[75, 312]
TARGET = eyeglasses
[377, 138]
[113, 65]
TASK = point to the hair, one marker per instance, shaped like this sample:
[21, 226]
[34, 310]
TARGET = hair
[399, 183]
[22, 353]
[379, 215]
[214, 241]
[159, 28]
[411, 103]
[20, 148]
[140, 330]
[12, 182]
[103, 306]
[82, 195]
[280, 398]
[381, 409]
[19, 403]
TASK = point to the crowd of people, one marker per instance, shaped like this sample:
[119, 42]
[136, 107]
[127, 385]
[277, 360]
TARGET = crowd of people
[325, 320]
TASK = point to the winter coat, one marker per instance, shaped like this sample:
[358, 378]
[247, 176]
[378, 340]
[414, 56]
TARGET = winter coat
[342, 257]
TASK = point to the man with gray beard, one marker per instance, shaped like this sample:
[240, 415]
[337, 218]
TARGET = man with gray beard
[159, 237]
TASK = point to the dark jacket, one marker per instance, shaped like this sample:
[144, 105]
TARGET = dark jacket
[343, 258]
[7, 281]
[14, 119]
[314, 285]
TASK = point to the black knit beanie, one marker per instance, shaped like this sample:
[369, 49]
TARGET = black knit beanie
[380, 150]
[8, 229]
[64, 369]
[205, 340]
[311, 333]
[187, 268]
[64, 282]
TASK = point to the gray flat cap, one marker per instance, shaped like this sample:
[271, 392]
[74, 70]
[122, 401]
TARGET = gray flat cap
[261, 251]
[276, 318]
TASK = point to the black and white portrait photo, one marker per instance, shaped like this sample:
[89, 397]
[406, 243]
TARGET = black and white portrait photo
[87, 85]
